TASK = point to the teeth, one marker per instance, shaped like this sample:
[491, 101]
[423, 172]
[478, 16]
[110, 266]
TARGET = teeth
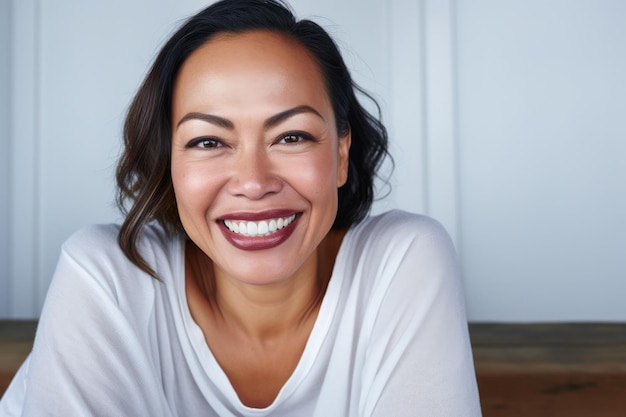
[261, 228]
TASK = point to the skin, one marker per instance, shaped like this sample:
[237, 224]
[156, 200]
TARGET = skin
[254, 132]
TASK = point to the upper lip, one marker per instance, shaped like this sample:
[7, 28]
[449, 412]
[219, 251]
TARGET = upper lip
[261, 215]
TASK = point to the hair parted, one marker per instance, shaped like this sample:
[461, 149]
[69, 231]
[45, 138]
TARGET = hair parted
[143, 171]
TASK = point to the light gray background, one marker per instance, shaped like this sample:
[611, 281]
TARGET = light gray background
[506, 117]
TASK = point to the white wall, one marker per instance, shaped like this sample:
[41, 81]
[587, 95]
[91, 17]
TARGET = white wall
[76, 66]
[541, 110]
[5, 44]
[504, 119]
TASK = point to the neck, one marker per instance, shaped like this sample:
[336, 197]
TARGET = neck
[266, 311]
[262, 312]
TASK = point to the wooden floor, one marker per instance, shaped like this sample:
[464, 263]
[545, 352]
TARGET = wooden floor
[16, 339]
[556, 370]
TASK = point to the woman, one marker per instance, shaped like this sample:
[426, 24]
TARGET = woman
[247, 278]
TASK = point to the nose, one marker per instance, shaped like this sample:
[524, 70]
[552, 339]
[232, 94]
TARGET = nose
[254, 176]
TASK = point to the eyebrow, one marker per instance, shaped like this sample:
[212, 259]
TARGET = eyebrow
[209, 118]
[270, 122]
[282, 116]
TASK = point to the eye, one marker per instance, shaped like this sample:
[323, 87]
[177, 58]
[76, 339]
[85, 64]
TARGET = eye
[294, 137]
[205, 143]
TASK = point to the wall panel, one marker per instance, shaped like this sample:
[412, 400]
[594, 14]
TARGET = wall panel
[541, 102]
[5, 185]
[25, 164]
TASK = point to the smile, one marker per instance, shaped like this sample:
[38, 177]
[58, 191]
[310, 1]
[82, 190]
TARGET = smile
[260, 228]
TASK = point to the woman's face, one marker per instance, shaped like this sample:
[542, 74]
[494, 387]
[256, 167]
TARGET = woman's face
[256, 158]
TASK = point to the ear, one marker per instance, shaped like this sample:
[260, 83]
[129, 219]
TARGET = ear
[343, 161]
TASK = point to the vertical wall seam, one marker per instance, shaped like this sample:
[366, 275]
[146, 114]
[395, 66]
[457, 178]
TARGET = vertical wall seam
[23, 256]
[406, 103]
[424, 100]
[38, 247]
[6, 268]
[455, 126]
[387, 179]
[439, 95]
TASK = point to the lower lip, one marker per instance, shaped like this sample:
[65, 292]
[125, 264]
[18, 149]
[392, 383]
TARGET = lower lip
[259, 242]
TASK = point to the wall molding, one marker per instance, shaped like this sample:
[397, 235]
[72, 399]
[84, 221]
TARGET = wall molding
[440, 130]
[406, 106]
[5, 159]
[24, 172]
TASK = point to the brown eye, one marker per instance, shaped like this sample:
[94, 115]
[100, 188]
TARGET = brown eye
[292, 138]
[204, 143]
[295, 137]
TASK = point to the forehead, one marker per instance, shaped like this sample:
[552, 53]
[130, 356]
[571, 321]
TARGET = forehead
[255, 44]
[255, 62]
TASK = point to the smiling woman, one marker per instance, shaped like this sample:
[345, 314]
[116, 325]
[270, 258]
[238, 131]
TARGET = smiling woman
[247, 278]
[274, 153]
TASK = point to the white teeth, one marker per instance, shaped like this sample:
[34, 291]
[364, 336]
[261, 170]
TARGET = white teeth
[261, 228]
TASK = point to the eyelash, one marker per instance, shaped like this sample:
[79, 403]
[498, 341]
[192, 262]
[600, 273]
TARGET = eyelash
[214, 143]
[300, 137]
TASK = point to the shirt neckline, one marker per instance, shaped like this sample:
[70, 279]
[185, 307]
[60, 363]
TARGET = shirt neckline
[206, 370]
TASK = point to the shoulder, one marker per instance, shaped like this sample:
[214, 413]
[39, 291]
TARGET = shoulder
[96, 247]
[96, 234]
[400, 228]
[412, 266]
[405, 248]
[103, 236]
[401, 219]
[92, 266]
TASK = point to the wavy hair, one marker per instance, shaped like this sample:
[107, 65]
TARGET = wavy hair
[145, 190]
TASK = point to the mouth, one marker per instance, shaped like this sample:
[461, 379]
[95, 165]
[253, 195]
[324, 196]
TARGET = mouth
[252, 232]
[258, 228]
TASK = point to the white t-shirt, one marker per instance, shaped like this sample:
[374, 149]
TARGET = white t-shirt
[390, 339]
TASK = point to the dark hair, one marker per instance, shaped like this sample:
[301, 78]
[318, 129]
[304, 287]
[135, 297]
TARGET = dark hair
[143, 172]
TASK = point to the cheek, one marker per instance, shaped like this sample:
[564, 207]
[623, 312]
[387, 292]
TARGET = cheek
[194, 186]
[317, 177]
